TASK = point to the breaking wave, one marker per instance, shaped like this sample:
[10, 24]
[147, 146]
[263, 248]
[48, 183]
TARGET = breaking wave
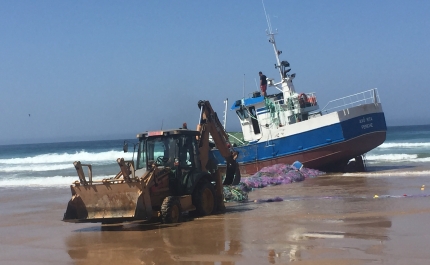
[404, 145]
[397, 173]
[40, 182]
[83, 156]
[59, 161]
[397, 158]
[35, 167]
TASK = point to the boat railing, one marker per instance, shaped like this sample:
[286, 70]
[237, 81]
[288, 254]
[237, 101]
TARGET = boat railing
[365, 97]
[292, 103]
[289, 103]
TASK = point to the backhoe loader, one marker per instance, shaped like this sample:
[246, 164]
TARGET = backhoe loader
[173, 173]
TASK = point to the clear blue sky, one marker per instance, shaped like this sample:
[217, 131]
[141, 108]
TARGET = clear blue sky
[110, 69]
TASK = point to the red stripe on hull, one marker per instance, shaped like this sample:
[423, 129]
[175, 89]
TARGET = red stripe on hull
[328, 158]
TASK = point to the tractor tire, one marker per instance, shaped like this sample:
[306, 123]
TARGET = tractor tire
[171, 210]
[204, 198]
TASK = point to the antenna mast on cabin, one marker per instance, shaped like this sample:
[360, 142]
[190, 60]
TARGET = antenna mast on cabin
[271, 35]
[286, 84]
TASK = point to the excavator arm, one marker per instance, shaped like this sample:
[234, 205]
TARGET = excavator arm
[210, 124]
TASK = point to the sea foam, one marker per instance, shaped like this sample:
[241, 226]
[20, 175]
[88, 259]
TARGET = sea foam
[396, 173]
[396, 158]
[83, 156]
[34, 167]
[40, 182]
[404, 145]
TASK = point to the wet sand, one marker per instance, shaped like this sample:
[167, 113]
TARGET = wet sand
[327, 220]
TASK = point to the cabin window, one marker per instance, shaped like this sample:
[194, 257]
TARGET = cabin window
[155, 149]
[186, 152]
[162, 148]
[141, 157]
[242, 113]
[255, 124]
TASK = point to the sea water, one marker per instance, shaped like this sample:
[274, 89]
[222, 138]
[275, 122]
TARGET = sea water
[406, 150]
[51, 164]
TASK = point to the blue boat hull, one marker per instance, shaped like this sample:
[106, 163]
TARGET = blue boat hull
[327, 148]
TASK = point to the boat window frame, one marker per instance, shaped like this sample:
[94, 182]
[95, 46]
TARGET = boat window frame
[254, 121]
[242, 113]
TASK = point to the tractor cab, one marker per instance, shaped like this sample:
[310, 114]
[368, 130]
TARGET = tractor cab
[168, 149]
[175, 151]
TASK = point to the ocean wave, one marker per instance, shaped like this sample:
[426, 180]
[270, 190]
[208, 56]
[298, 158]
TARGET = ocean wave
[35, 167]
[55, 158]
[404, 145]
[397, 158]
[392, 157]
[397, 173]
[41, 182]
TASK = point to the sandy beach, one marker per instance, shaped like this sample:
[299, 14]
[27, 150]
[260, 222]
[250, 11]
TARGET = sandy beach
[327, 220]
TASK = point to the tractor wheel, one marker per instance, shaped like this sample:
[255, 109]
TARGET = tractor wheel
[204, 198]
[171, 210]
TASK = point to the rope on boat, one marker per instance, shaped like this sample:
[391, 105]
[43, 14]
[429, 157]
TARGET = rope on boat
[275, 111]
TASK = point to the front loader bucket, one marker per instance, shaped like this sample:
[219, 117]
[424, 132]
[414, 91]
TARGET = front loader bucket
[106, 203]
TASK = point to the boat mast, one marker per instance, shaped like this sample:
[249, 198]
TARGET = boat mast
[225, 114]
[286, 83]
[271, 35]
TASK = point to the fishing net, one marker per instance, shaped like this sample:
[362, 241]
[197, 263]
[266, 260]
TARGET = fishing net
[268, 176]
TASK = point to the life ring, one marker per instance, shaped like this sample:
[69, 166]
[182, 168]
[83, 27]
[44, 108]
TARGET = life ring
[302, 100]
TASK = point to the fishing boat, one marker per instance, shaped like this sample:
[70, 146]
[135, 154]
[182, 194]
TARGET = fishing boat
[290, 126]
